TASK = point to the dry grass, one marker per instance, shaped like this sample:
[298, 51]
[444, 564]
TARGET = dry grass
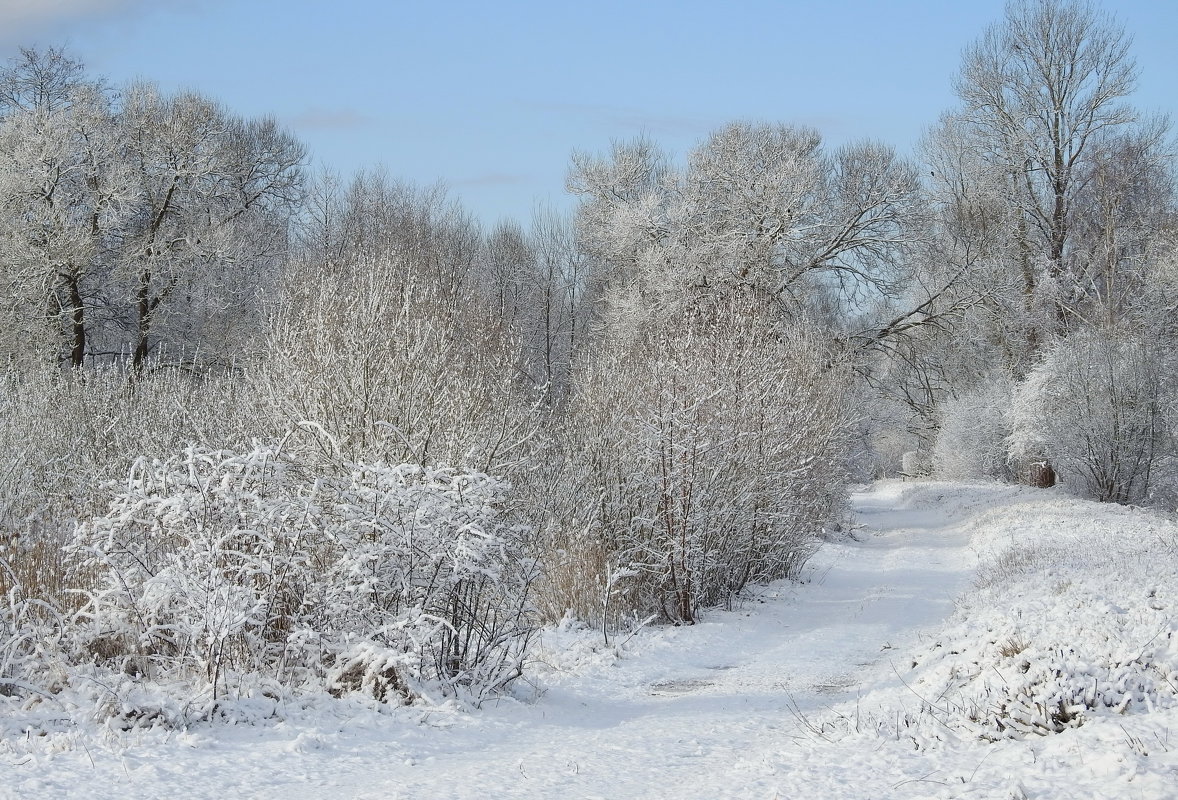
[1019, 562]
[574, 579]
[1013, 645]
[36, 566]
[580, 577]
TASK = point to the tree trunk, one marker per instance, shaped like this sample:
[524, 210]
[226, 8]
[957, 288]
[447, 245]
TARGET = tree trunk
[77, 322]
[143, 318]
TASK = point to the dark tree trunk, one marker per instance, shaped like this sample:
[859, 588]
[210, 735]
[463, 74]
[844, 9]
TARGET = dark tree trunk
[143, 318]
[77, 317]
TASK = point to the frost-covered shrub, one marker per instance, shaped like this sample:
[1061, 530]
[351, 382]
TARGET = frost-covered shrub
[200, 564]
[974, 428]
[216, 563]
[429, 568]
[704, 459]
[31, 632]
[393, 365]
[1093, 408]
[65, 435]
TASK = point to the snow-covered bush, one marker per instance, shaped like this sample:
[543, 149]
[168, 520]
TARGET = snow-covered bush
[1093, 408]
[31, 632]
[430, 568]
[974, 428]
[1069, 622]
[217, 564]
[703, 459]
[65, 434]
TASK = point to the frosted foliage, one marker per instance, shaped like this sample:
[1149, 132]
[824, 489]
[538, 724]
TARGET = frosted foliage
[53, 475]
[971, 442]
[1093, 408]
[394, 364]
[757, 206]
[396, 580]
[706, 459]
[30, 639]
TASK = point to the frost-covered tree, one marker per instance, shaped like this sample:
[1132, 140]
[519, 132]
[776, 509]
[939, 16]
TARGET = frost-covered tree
[758, 206]
[62, 196]
[212, 197]
[697, 457]
[134, 219]
[1096, 408]
[1045, 118]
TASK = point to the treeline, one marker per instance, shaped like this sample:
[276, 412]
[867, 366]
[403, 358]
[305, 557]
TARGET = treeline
[1053, 235]
[299, 433]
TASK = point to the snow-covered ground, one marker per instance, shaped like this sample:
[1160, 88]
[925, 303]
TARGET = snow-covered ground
[929, 657]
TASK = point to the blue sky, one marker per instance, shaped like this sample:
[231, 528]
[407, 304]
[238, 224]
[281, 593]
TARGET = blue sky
[493, 97]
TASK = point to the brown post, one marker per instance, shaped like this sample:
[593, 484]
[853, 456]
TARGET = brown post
[1040, 474]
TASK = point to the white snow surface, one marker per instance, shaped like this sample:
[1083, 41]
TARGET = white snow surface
[887, 673]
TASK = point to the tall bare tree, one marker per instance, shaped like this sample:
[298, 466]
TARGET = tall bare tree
[1041, 92]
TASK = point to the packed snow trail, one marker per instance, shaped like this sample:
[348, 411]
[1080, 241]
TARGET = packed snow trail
[708, 711]
[705, 713]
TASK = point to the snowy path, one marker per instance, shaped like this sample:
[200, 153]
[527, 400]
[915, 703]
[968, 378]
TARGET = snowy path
[708, 711]
[706, 716]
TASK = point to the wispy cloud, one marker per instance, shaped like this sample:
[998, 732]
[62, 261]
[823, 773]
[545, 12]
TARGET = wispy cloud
[32, 22]
[330, 119]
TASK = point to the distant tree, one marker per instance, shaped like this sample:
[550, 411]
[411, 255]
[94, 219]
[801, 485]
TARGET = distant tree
[62, 194]
[509, 258]
[557, 319]
[1043, 94]
[213, 196]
